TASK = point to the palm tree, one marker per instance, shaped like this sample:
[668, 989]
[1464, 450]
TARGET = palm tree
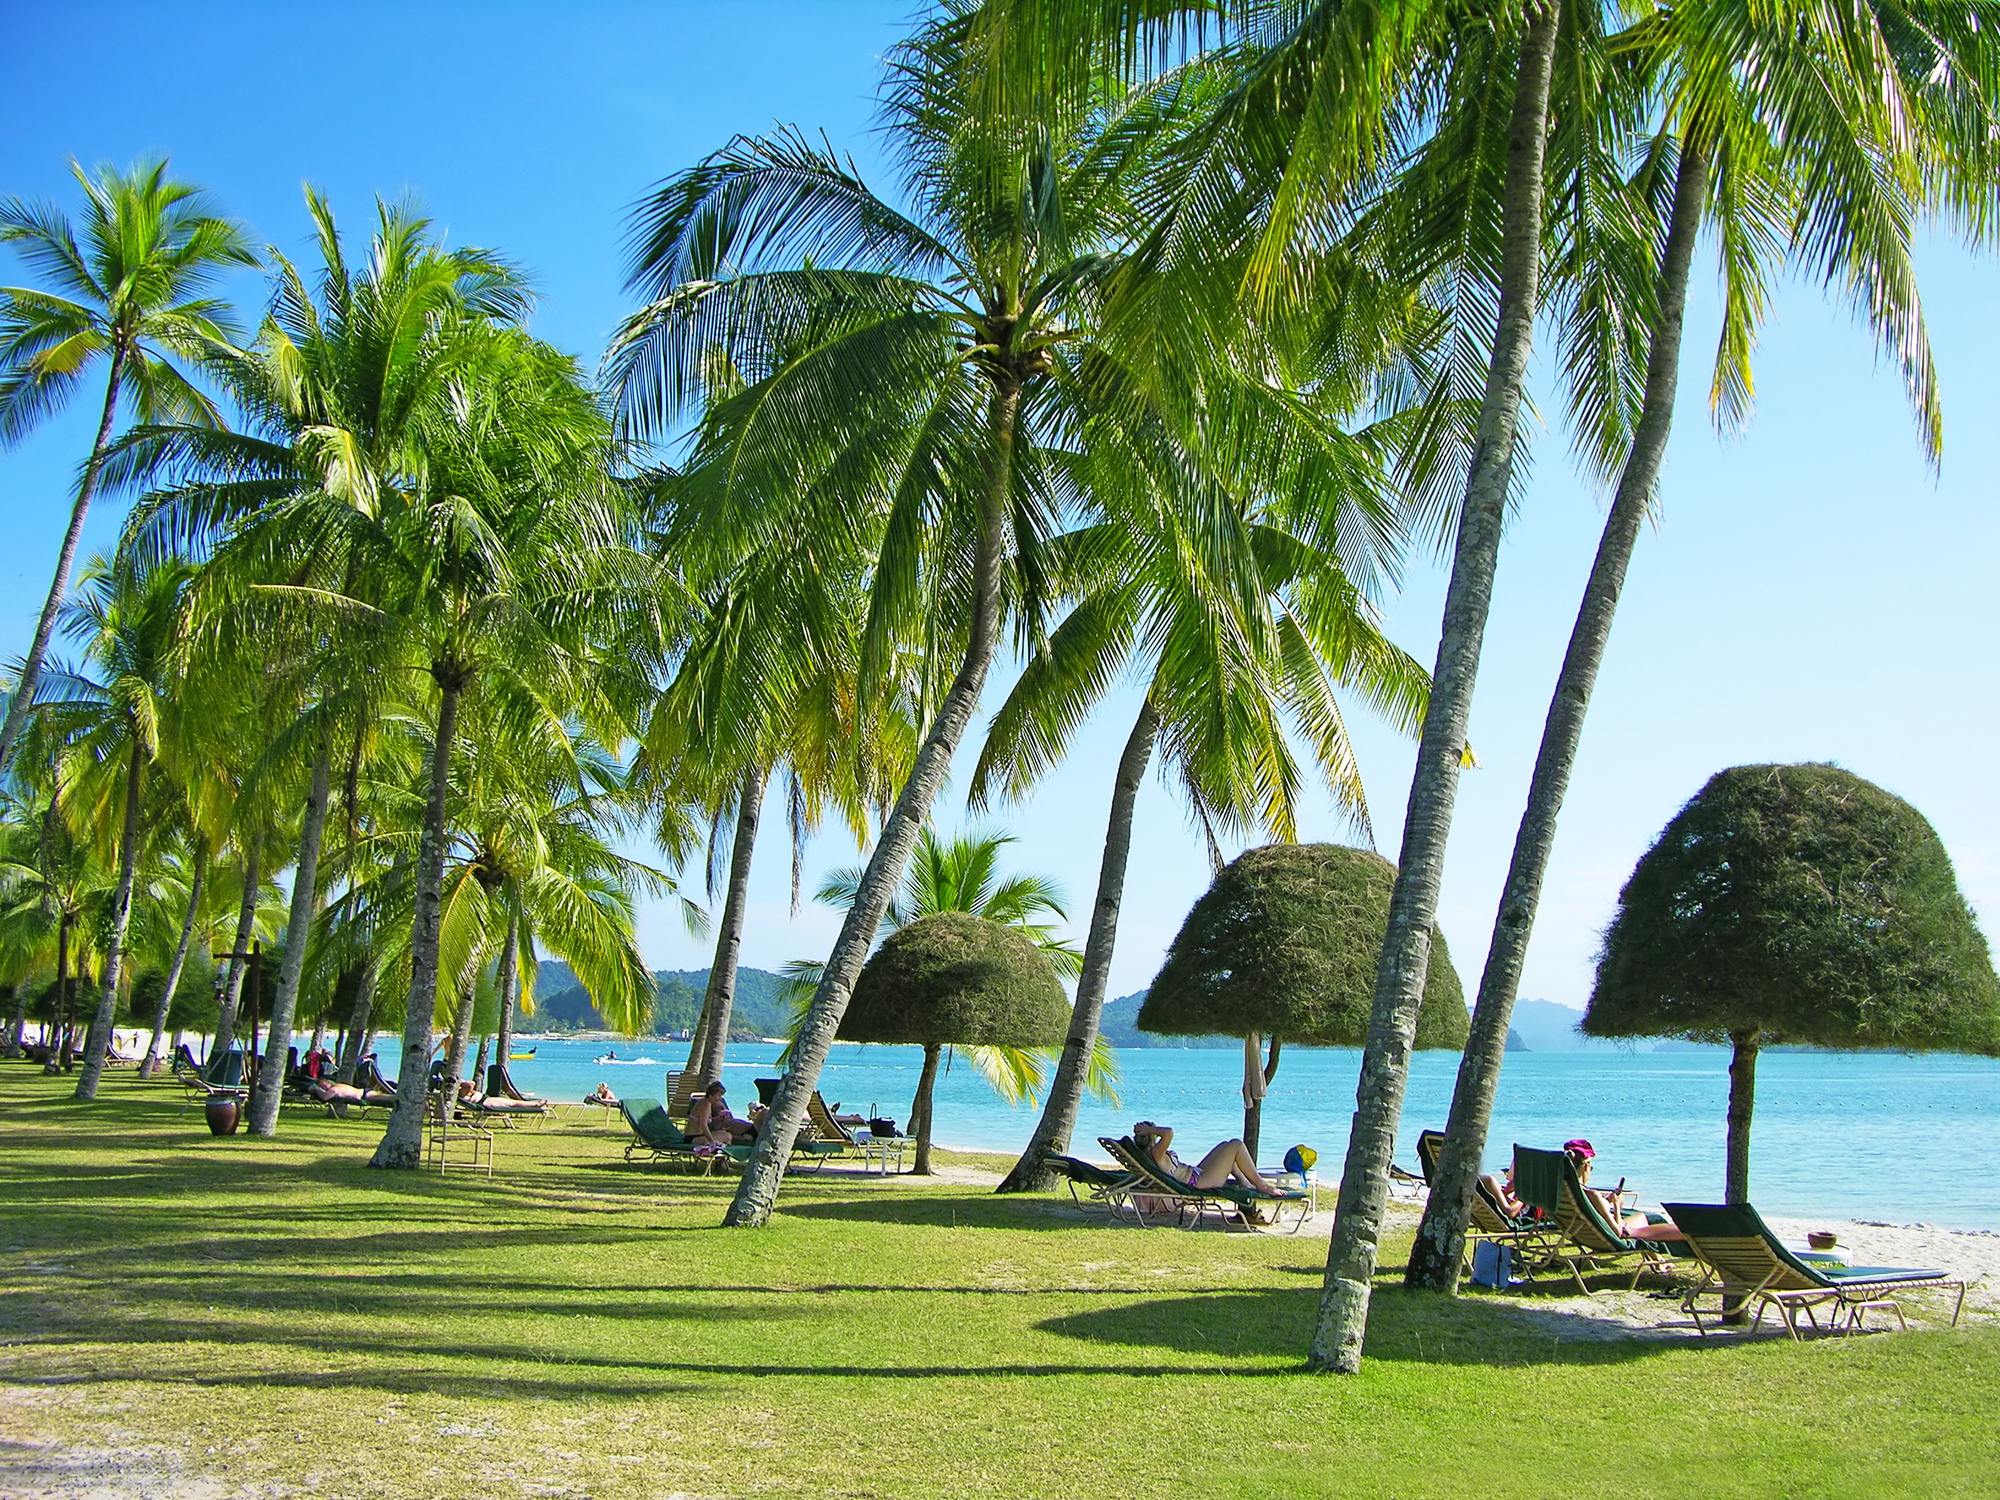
[1328, 103]
[534, 868]
[962, 874]
[766, 690]
[132, 294]
[432, 478]
[495, 571]
[1221, 682]
[904, 377]
[110, 724]
[1809, 155]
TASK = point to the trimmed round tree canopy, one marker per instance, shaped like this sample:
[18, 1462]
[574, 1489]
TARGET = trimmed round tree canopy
[1285, 943]
[953, 978]
[1804, 904]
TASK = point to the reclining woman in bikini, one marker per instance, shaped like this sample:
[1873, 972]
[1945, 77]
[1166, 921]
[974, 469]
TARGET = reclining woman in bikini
[1229, 1159]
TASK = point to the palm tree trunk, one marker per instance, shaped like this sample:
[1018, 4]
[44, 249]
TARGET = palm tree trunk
[461, 1038]
[246, 923]
[1399, 978]
[1440, 1245]
[758, 1189]
[99, 1035]
[31, 667]
[152, 1062]
[305, 890]
[17, 1023]
[506, 982]
[57, 1058]
[1742, 1100]
[354, 1041]
[920, 1108]
[1031, 1173]
[402, 1142]
[721, 996]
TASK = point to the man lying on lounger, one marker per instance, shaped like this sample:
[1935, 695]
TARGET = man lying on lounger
[326, 1091]
[469, 1097]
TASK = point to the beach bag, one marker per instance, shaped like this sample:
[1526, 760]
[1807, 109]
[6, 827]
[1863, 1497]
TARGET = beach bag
[882, 1126]
[1301, 1160]
[1492, 1264]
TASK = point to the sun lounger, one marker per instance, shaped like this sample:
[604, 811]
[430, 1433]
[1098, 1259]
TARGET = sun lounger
[861, 1142]
[1089, 1181]
[1532, 1239]
[195, 1085]
[657, 1137]
[368, 1075]
[1191, 1204]
[500, 1085]
[344, 1101]
[1583, 1240]
[507, 1113]
[225, 1069]
[1745, 1262]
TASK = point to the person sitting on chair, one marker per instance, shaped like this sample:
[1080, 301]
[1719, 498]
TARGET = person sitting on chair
[603, 1095]
[1229, 1159]
[710, 1120]
[1499, 1186]
[1629, 1222]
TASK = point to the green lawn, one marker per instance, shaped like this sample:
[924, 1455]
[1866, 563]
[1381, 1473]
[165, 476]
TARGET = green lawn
[273, 1313]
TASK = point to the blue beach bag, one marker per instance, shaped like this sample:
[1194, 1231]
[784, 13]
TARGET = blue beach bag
[1492, 1264]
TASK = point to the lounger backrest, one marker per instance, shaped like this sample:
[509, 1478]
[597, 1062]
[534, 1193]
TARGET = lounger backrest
[1735, 1240]
[1125, 1151]
[1430, 1146]
[509, 1089]
[649, 1122]
[225, 1069]
[823, 1121]
[1538, 1178]
[1579, 1217]
[1487, 1216]
[680, 1092]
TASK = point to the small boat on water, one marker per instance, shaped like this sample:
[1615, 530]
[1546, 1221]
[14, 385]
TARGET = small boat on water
[520, 1056]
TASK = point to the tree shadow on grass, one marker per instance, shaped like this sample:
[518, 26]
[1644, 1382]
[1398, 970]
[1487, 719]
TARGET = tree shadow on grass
[1413, 1327]
[948, 1211]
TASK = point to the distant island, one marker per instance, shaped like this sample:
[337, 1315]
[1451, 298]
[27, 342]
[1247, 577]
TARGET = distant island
[561, 1004]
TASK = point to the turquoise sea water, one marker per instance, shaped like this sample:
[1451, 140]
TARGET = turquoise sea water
[1902, 1139]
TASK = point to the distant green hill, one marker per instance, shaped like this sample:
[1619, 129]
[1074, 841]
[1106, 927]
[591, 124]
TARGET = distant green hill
[1120, 1027]
[562, 1004]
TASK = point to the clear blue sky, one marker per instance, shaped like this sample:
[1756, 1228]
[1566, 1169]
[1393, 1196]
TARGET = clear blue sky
[1811, 592]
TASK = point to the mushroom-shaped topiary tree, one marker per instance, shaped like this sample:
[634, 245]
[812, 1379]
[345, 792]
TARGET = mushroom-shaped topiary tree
[953, 979]
[1284, 944]
[1794, 904]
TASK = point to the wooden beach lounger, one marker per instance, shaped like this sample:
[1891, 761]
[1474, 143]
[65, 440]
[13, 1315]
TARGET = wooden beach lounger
[1191, 1204]
[1746, 1262]
[862, 1143]
[1531, 1239]
[1584, 1240]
